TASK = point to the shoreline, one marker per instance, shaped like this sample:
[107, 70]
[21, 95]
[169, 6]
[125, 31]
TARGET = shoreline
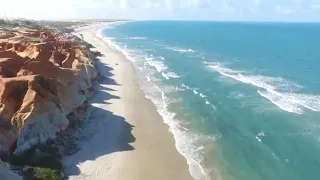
[182, 143]
[133, 142]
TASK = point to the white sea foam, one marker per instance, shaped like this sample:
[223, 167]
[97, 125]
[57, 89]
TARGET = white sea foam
[185, 140]
[186, 87]
[158, 65]
[201, 95]
[169, 75]
[279, 91]
[149, 58]
[182, 50]
[148, 78]
[137, 38]
[110, 42]
[194, 90]
[161, 68]
[281, 102]
[259, 136]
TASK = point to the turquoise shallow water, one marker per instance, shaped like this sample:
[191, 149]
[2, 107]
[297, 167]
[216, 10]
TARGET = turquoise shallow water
[241, 99]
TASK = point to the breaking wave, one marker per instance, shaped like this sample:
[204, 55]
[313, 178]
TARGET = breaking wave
[137, 38]
[279, 91]
[182, 50]
[186, 141]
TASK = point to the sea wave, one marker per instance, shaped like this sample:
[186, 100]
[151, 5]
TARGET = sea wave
[161, 68]
[281, 92]
[186, 141]
[137, 38]
[182, 50]
[200, 94]
[158, 65]
[260, 135]
[149, 58]
[111, 43]
[169, 75]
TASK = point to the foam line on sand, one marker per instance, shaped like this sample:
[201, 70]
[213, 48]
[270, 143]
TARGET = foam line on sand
[124, 137]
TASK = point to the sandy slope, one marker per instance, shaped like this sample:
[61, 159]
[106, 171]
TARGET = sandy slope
[124, 137]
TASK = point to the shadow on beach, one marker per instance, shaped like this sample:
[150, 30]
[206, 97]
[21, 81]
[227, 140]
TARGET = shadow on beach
[103, 132]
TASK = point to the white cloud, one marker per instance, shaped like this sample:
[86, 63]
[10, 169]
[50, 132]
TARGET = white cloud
[193, 3]
[315, 6]
[284, 10]
[43, 9]
[227, 6]
[256, 3]
[168, 4]
[123, 4]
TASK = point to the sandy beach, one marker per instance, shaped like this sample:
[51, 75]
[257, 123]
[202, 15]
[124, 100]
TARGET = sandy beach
[124, 137]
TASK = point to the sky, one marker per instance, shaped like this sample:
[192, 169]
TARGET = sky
[221, 10]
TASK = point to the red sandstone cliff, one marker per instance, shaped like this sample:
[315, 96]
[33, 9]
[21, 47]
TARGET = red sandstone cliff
[44, 77]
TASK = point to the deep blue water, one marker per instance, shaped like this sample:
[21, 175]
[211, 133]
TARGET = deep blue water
[242, 99]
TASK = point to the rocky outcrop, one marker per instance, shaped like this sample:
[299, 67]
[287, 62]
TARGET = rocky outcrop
[44, 78]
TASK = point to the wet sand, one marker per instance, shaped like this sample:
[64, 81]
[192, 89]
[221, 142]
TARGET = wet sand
[124, 137]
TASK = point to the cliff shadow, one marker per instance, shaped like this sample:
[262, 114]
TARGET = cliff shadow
[105, 74]
[103, 132]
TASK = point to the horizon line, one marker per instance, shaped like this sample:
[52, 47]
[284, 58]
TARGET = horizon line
[193, 20]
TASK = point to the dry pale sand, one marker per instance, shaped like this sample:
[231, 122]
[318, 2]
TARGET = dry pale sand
[124, 137]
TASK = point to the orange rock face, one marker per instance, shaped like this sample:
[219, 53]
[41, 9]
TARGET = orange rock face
[43, 77]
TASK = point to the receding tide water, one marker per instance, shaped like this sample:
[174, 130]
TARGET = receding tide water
[241, 99]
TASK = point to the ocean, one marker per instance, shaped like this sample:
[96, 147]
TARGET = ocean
[242, 100]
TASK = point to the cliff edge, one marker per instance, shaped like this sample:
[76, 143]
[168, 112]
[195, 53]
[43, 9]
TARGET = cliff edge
[46, 78]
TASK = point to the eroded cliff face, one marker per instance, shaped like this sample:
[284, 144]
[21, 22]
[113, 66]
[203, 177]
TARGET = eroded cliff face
[44, 77]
